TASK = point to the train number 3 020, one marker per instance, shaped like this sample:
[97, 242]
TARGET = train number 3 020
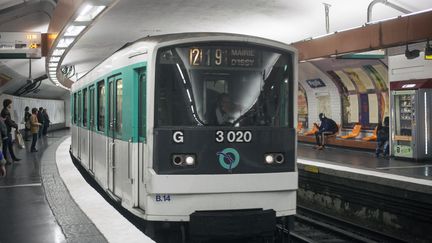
[233, 136]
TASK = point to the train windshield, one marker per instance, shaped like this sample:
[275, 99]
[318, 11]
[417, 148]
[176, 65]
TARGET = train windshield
[223, 85]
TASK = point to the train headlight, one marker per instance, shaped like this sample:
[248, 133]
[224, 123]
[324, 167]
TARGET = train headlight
[279, 158]
[190, 160]
[183, 159]
[177, 159]
[269, 159]
[273, 158]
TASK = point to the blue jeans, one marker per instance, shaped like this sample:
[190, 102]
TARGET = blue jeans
[33, 145]
[382, 146]
[8, 145]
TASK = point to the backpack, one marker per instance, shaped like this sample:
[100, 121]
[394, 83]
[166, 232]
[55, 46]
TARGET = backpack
[333, 125]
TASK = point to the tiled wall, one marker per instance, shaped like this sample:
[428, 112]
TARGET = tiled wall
[314, 95]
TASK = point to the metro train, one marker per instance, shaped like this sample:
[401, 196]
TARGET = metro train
[193, 129]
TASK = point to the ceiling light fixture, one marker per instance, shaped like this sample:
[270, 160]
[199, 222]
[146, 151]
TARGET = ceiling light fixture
[89, 12]
[55, 59]
[69, 34]
[74, 30]
[65, 42]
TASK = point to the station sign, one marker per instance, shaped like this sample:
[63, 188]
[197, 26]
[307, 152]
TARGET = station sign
[20, 45]
[315, 83]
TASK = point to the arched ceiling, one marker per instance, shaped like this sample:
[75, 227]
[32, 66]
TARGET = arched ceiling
[128, 20]
[286, 21]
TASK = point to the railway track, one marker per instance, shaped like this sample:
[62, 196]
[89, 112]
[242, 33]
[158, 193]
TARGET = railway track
[312, 226]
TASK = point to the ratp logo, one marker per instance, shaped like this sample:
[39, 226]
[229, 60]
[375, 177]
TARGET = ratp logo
[229, 158]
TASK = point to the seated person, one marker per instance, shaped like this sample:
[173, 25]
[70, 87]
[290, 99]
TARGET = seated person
[327, 127]
[226, 112]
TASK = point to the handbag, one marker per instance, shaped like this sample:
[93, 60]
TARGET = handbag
[19, 140]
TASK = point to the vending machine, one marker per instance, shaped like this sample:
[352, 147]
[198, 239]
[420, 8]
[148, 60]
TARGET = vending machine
[411, 121]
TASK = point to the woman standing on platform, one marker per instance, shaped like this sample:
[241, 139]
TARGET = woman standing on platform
[34, 127]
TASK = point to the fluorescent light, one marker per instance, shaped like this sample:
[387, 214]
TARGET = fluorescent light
[55, 59]
[408, 86]
[89, 12]
[65, 42]
[74, 30]
[85, 10]
[58, 52]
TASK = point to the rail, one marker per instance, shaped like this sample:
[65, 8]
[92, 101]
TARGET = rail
[313, 226]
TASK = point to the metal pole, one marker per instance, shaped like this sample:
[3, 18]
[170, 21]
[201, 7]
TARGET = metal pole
[327, 12]
[387, 3]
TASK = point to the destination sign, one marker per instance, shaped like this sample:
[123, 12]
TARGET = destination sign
[224, 57]
[20, 45]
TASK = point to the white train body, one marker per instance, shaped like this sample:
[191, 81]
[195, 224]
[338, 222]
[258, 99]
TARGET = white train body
[125, 130]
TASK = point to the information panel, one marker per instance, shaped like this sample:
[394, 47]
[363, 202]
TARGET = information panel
[224, 57]
[19, 45]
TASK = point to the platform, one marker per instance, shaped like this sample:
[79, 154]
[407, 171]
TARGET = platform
[365, 160]
[43, 199]
[389, 196]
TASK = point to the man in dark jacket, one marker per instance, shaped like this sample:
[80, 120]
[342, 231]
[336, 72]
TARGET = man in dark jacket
[41, 120]
[327, 127]
[5, 114]
[27, 116]
[383, 138]
[46, 121]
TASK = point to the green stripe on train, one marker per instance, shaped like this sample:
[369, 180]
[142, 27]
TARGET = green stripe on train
[133, 77]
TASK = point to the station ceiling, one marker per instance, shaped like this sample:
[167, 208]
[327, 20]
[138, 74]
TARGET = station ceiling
[283, 20]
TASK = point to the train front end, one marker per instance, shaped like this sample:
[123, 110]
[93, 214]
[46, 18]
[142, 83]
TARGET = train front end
[224, 143]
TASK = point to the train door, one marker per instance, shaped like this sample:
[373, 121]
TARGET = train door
[75, 141]
[84, 142]
[91, 126]
[142, 125]
[112, 130]
[79, 124]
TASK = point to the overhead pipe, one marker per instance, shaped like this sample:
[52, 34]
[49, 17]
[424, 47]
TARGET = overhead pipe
[387, 3]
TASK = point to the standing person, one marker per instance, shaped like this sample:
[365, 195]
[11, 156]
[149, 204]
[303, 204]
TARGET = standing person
[2, 161]
[3, 135]
[327, 127]
[383, 138]
[34, 127]
[5, 114]
[40, 119]
[2, 165]
[27, 116]
[46, 122]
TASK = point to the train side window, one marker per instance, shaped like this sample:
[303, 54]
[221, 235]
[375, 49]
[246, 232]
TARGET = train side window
[119, 103]
[101, 106]
[75, 110]
[84, 108]
[79, 109]
[142, 105]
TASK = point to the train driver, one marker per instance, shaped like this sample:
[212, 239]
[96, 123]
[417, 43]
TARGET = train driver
[225, 111]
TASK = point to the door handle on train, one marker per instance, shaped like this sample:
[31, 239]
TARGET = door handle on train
[129, 160]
